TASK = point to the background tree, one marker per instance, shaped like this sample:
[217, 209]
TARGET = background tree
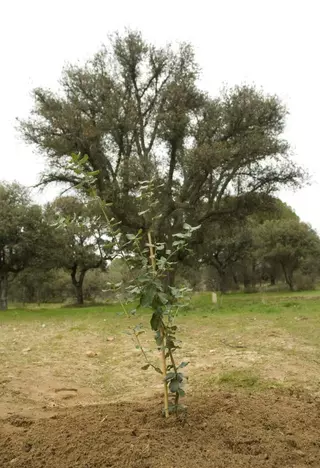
[23, 234]
[225, 244]
[81, 238]
[288, 243]
[137, 112]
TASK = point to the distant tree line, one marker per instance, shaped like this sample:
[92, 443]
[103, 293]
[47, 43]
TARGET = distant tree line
[58, 252]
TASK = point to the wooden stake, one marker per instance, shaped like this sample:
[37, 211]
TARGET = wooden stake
[163, 352]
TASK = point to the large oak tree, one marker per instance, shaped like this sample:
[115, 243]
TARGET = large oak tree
[138, 113]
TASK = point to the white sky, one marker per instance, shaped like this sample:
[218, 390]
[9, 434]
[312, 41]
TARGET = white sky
[273, 44]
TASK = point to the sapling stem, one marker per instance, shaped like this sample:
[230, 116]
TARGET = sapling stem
[162, 334]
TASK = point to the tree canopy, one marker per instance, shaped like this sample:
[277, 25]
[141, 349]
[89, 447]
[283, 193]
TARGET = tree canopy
[138, 113]
[288, 243]
[21, 234]
[80, 233]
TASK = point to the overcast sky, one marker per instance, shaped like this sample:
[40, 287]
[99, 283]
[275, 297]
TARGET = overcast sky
[274, 44]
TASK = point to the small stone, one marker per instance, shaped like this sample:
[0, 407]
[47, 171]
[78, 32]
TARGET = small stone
[266, 456]
[27, 447]
[110, 338]
[26, 350]
[43, 325]
[91, 354]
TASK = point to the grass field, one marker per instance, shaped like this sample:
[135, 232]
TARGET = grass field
[53, 356]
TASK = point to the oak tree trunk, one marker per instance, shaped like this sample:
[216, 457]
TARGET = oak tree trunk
[78, 283]
[3, 291]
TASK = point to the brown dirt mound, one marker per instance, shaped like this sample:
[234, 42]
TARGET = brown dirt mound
[220, 430]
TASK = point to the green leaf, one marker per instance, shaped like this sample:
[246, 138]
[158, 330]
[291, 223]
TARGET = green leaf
[174, 386]
[175, 243]
[157, 369]
[130, 236]
[143, 279]
[180, 235]
[83, 160]
[145, 367]
[93, 173]
[183, 364]
[170, 376]
[158, 340]
[163, 298]
[182, 393]
[155, 321]
[180, 377]
[147, 295]
[175, 291]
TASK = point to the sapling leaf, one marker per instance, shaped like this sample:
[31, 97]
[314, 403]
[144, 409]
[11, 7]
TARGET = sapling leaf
[93, 173]
[145, 367]
[158, 340]
[180, 235]
[176, 243]
[155, 321]
[170, 376]
[181, 392]
[174, 386]
[147, 295]
[183, 364]
[163, 297]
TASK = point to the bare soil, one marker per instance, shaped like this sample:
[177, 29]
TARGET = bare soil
[220, 429]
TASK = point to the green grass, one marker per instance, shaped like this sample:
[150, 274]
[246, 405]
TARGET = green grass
[238, 379]
[258, 303]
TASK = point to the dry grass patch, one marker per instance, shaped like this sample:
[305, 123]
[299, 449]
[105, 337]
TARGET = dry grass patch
[66, 357]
